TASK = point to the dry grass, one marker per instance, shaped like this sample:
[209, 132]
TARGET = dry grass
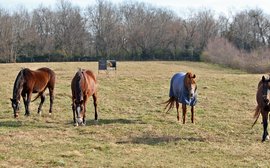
[133, 130]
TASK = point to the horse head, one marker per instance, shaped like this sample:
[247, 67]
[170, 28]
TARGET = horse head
[17, 89]
[79, 108]
[266, 87]
[15, 103]
[190, 84]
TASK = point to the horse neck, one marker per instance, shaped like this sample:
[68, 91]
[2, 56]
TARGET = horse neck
[18, 86]
[79, 95]
[186, 81]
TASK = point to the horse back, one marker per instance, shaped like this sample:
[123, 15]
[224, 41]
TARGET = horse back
[177, 84]
[91, 81]
[39, 79]
[84, 82]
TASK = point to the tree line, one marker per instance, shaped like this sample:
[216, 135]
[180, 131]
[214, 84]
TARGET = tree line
[126, 31]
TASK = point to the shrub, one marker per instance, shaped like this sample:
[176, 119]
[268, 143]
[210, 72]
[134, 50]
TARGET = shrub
[221, 51]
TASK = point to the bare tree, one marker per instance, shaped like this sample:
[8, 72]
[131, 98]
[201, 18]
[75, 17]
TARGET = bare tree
[207, 27]
[176, 35]
[43, 24]
[21, 25]
[105, 26]
[147, 28]
[69, 29]
[6, 37]
[249, 30]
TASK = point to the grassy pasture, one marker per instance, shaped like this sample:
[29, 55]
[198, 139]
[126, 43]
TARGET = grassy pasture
[133, 130]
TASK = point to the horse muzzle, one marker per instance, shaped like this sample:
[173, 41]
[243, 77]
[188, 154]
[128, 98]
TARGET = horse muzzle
[16, 115]
[79, 120]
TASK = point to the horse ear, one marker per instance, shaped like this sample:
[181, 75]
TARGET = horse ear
[11, 99]
[194, 76]
[263, 78]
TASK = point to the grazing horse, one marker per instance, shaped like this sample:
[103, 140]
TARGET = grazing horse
[28, 82]
[263, 106]
[183, 89]
[83, 85]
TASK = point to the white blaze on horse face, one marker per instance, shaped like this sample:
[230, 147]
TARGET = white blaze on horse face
[192, 90]
[79, 118]
[78, 110]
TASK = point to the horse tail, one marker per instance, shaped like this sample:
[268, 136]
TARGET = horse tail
[39, 94]
[169, 104]
[256, 114]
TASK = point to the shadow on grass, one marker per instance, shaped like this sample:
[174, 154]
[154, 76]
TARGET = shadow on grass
[117, 121]
[13, 124]
[159, 140]
[110, 121]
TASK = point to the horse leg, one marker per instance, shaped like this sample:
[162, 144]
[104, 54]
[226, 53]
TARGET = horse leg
[84, 112]
[42, 99]
[27, 103]
[51, 89]
[177, 110]
[265, 124]
[74, 115]
[95, 105]
[24, 101]
[184, 109]
[192, 114]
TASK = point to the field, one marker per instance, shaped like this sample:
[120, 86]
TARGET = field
[133, 130]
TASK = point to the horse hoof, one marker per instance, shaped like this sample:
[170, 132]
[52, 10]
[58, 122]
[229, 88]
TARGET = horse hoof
[96, 122]
[76, 124]
[267, 137]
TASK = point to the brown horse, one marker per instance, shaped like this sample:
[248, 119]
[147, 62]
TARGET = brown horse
[263, 106]
[83, 85]
[183, 89]
[28, 82]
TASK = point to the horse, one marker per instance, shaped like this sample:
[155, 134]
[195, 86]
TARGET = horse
[83, 85]
[32, 81]
[263, 106]
[183, 89]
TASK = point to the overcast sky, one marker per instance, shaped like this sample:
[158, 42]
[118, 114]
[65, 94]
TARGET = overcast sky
[179, 6]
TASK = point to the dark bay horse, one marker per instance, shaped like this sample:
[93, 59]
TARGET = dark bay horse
[28, 82]
[263, 106]
[83, 85]
[183, 89]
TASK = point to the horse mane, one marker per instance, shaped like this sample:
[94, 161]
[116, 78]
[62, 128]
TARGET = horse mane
[79, 76]
[18, 83]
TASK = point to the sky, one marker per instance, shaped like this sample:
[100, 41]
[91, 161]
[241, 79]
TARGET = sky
[178, 6]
